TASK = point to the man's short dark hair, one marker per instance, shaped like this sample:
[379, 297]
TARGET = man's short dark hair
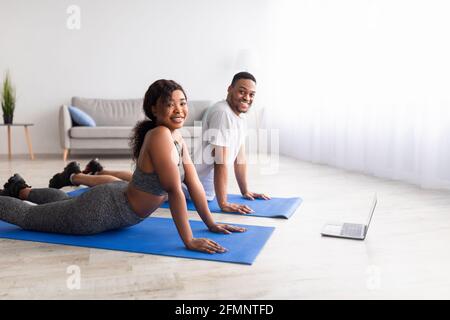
[242, 75]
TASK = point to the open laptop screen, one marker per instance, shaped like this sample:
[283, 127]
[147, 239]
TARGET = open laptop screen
[372, 209]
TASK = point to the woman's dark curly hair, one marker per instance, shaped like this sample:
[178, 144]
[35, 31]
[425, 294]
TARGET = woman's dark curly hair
[159, 91]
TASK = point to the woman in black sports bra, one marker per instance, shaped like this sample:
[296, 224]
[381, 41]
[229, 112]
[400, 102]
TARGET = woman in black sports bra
[162, 164]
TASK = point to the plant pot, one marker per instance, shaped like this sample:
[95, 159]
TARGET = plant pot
[8, 118]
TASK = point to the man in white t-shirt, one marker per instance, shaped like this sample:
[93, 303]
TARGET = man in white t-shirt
[224, 132]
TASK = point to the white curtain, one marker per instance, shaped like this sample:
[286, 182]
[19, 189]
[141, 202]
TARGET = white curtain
[364, 86]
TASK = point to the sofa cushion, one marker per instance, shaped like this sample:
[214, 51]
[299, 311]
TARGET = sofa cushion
[196, 110]
[123, 132]
[80, 117]
[111, 112]
[100, 132]
[191, 131]
[106, 112]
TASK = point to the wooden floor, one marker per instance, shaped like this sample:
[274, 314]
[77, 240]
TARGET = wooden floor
[406, 254]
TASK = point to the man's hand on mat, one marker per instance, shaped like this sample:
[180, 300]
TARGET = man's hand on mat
[226, 228]
[205, 245]
[234, 207]
[253, 195]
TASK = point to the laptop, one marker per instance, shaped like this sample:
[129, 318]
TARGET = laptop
[350, 230]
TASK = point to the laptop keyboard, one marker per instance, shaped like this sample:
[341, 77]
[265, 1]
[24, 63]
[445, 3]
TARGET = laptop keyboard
[352, 229]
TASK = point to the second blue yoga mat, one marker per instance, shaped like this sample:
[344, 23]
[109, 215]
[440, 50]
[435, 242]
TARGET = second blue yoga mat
[274, 208]
[157, 236]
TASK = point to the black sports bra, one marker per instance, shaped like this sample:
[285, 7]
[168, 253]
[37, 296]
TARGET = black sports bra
[149, 182]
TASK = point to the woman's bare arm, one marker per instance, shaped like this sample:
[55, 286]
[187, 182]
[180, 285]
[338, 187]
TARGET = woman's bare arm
[197, 193]
[160, 147]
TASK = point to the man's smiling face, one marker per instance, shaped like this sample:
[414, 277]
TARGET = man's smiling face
[241, 95]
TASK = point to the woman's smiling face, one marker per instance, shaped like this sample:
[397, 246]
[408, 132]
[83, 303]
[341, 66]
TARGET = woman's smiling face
[173, 112]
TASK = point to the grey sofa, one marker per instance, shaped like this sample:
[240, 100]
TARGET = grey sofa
[115, 120]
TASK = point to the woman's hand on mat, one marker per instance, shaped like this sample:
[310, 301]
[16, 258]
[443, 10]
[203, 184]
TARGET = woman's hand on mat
[234, 207]
[205, 245]
[253, 195]
[225, 228]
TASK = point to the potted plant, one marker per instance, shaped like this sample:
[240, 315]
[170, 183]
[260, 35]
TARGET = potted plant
[8, 100]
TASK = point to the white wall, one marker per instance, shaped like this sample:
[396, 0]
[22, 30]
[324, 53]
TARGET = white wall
[121, 48]
[364, 85]
[371, 52]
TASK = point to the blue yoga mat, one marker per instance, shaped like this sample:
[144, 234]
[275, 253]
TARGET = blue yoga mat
[273, 208]
[157, 236]
[77, 192]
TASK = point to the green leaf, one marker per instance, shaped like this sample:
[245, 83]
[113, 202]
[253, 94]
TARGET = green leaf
[8, 96]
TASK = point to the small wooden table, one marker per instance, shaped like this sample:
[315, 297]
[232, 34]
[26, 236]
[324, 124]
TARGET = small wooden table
[27, 136]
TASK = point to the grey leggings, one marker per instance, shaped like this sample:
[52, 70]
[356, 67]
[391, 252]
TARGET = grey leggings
[104, 207]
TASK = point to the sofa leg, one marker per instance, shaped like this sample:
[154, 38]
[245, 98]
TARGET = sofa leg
[65, 154]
